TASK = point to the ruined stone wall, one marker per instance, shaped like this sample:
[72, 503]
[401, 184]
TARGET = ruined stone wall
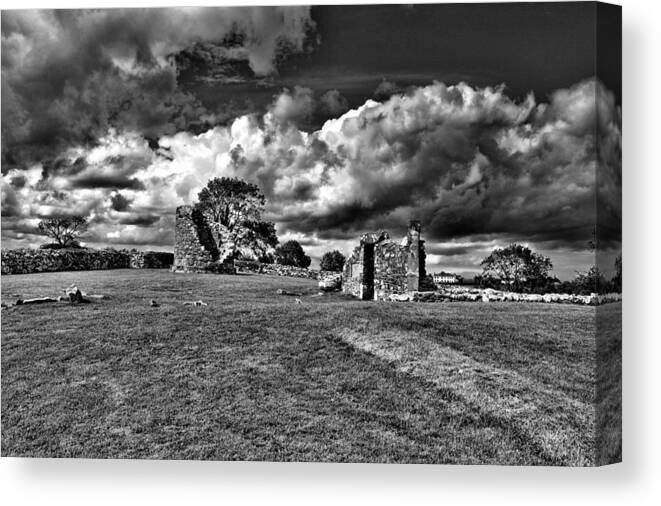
[390, 269]
[396, 268]
[194, 248]
[150, 259]
[352, 274]
[276, 269]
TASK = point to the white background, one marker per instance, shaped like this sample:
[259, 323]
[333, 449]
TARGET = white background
[636, 481]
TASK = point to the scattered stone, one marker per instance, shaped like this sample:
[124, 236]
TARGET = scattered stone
[399, 297]
[297, 301]
[195, 303]
[331, 282]
[37, 300]
[74, 294]
[280, 291]
[459, 293]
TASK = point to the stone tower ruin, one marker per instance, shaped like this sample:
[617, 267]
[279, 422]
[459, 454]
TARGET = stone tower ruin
[195, 249]
[379, 267]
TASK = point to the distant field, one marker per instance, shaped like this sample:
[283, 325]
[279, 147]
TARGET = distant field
[256, 376]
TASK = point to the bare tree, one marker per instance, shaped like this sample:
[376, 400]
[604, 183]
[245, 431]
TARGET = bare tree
[64, 230]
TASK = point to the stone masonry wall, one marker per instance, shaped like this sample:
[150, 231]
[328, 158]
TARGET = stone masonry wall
[194, 249]
[352, 274]
[390, 269]
[150, 259]
[276, 269]
[396, 268]
[27, 260]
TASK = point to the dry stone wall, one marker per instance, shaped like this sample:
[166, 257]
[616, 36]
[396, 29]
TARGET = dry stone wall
[465, 294]
[150, 259]
[276, 269]
[27, 260]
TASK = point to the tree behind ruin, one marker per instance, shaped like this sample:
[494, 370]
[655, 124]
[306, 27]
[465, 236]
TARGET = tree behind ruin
[332, 261]
[291, 253]
[233, 209]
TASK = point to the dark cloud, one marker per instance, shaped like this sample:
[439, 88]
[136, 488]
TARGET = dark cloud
[69, 75]
[449, 251]
[119, 202]
[10, 204]
[332, 103]
[140, 220]
[18, 181]
[478, 168]
[463, 160]
[385, 89]
[17, 227]
[111, 181]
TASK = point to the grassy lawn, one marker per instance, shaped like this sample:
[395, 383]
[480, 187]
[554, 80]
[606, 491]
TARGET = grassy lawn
[256, 376]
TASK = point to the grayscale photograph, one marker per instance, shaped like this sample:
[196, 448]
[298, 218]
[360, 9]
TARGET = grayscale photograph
[343, 233]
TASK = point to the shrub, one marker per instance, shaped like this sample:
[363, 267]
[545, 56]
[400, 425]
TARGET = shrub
[54, 245]
[291, 253]
[332, 261]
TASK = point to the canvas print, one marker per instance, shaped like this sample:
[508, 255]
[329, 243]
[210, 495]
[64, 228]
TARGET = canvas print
[349, 233]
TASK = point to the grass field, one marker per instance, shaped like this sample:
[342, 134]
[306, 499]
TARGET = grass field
[256, 376]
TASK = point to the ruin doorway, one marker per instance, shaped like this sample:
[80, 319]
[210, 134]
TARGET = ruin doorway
[367, 292]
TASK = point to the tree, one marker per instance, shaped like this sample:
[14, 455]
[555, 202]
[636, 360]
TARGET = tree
[332, 261]
[592, 281]
[233, 209]
[65, 230]
[516, 267]
[617, 279]
[291, 253]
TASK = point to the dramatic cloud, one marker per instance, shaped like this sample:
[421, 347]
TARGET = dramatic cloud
[67, 76]
[385, 89]
[478, 168]
[333, 103]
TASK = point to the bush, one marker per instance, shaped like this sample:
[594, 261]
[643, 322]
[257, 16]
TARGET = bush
[291, 253]
[332, 261]
[267, 259]
[54, 245]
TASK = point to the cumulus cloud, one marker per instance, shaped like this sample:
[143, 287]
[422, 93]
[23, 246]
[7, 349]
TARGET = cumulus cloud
[333, 103]
[69, 75]
[478, 168]
[385, 89]
[292, 107]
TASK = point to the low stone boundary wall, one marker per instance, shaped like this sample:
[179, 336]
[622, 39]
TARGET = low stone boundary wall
[276, 269]
[490, 295]
[27, 260]
[151, 259]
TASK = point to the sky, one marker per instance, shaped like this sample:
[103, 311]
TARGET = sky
[490, 124]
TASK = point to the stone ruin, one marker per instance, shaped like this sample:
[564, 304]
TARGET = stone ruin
[379, 267]
[195, 248]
